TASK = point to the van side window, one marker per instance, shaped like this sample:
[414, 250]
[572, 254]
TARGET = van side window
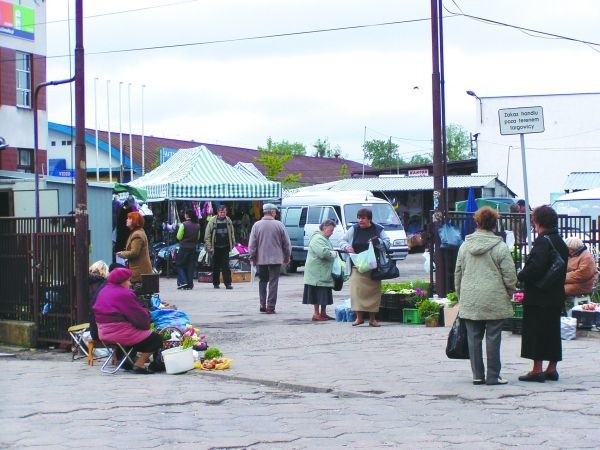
[330, 213]
[314, 215]
[303, 215]
[292, 217]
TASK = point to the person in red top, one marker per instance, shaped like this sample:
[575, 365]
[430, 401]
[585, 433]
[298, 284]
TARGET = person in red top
[122, 319]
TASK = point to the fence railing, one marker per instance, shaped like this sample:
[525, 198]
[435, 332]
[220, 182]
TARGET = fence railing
[37, 280]
[511, 226]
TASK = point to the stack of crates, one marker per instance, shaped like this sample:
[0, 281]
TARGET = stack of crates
[517, 319]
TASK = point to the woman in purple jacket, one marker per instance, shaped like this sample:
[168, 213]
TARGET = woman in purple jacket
[121, 318]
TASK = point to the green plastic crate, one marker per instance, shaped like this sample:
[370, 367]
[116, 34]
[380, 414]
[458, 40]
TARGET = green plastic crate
[411, 316]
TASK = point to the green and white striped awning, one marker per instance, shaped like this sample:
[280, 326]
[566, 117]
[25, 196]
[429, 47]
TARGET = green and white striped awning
[198, 174]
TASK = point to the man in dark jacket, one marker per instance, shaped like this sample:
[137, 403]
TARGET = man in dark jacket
[219, 239]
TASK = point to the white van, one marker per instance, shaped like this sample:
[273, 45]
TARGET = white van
[302, 213]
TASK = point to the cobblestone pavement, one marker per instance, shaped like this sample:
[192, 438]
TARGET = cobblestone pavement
[298, 384]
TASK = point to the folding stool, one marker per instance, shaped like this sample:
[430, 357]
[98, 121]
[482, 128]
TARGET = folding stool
[76, 332]
[112, 352]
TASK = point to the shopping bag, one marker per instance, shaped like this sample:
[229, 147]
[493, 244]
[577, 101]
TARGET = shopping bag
[163, 318]
[555, 271]
[568, 328]
[449, 236]
[364, 261]
[457, 346]
[337, 273]
[386, 267]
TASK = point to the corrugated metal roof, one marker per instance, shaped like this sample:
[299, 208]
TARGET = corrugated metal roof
[578, 181]
[403, 183]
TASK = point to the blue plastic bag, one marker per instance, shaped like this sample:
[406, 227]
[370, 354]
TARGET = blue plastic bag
[449, 236]
[169, 318]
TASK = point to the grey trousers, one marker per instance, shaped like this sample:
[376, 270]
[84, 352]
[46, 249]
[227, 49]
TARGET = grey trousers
[493, 335]
[268, 276]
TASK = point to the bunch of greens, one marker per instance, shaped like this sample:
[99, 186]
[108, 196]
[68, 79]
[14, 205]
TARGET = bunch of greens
[212, 353]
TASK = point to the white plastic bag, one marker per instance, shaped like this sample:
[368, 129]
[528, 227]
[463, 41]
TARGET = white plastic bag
[568, 328]
[364, 261]
[510, 240]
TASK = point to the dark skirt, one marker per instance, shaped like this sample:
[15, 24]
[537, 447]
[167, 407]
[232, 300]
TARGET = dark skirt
[540, 340]
[317, 295]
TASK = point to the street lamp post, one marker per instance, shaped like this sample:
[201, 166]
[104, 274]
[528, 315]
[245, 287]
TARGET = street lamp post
[473, 94]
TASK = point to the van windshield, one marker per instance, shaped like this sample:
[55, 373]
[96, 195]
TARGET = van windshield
[383, 214]
[588, 207]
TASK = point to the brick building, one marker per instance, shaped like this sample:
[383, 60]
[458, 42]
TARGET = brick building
[22, 67]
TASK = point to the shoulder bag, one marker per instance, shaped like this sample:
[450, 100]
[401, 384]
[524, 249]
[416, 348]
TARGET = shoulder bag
[556, 269]
[386, 267]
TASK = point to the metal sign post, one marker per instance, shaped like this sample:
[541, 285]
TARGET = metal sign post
[522, 121]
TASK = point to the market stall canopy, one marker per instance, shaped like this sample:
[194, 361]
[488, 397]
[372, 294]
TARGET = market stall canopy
[139, 193]
[198, 174]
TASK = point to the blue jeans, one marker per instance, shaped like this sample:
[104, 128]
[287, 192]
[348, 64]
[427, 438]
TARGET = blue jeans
[186, 261]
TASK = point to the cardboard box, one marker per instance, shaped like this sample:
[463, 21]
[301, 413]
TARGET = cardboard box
[450, 315]
[236, 277]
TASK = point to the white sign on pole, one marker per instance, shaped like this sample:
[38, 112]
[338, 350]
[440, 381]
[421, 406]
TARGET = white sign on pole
[521, 120]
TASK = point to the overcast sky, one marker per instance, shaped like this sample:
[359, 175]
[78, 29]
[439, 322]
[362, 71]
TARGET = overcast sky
[328, 84]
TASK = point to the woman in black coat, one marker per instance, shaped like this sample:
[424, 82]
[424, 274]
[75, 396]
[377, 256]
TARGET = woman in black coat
[542, 308]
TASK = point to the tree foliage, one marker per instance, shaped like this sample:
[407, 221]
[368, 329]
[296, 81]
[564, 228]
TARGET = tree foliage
[274, 157]
[284, 148]
[323, 149]
[382, 153]
[458, 143]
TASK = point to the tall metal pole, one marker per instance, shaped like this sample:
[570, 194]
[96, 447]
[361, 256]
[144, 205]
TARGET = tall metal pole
[81, 215]
[438, 164]
[130, 138]
[364, 143]
[108, 130]
[526, 189]
[120, 137]
[143, 148]
[96, 127]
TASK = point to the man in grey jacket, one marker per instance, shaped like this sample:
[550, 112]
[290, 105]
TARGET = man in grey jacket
[269, 247]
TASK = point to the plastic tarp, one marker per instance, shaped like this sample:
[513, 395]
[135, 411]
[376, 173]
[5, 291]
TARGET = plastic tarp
[138, 193]
[498, 206]
[198, 174]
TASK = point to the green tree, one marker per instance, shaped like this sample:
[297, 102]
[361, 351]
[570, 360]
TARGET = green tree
[420, 159]
[323, 149]
[343, 171]
[458, 143]
[274, 157]
[382, 153]
[285, 148]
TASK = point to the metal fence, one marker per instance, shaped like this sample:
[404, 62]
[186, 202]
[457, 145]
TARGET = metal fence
[513, 224]
[37, 280]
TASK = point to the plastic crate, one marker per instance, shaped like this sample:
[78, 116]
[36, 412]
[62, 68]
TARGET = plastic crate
[517, 310]
[586, 319]
[390, 314]
[411, 316]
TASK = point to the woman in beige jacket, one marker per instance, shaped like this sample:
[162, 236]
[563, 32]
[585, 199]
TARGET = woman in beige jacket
[581, 269]
[485, 279]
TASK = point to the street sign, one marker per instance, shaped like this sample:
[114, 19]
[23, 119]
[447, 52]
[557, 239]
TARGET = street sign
[521, 120]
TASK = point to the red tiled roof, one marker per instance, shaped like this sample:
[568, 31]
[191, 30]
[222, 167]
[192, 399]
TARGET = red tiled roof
[314, 170]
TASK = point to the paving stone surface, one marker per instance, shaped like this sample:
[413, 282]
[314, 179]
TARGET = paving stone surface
[298, 384]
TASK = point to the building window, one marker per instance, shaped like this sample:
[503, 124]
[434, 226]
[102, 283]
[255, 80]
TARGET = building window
[25, 162]
[64, 142]
[53, 144]
[23, 79]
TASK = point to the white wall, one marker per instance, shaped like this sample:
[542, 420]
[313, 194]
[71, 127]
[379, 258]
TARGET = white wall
[570, 142]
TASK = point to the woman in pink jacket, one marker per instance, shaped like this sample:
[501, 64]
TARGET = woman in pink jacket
[122, 319]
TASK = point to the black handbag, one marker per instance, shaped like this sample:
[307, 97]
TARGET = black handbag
[386, 267]
[457, 346]
[554, 272]
[338, 282]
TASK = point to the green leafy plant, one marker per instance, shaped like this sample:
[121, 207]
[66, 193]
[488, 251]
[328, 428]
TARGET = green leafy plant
[428, 308]
[452, 297]
[212, 353]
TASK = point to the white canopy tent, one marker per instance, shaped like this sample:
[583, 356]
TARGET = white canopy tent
[199, 174]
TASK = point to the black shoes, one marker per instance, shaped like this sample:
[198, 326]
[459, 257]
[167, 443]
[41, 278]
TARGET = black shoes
[216, 286]
[229, 286]
[539, 377]
[552, 376]
[478, 382]
[262, 309]
[182, 286]
[141, 370]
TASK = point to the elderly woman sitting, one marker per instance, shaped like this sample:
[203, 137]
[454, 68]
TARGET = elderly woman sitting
[122, 319]
[581, 269]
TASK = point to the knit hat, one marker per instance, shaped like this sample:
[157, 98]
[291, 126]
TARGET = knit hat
[117, 276]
